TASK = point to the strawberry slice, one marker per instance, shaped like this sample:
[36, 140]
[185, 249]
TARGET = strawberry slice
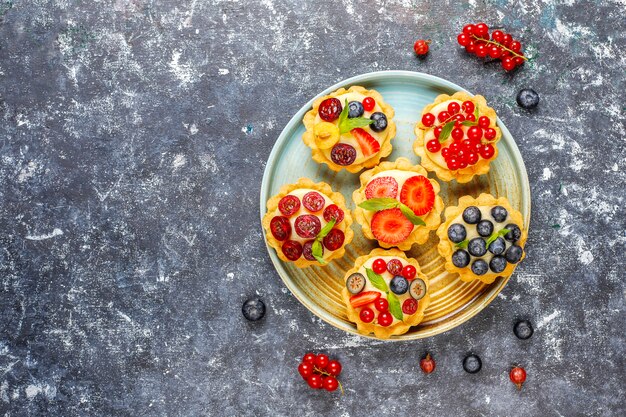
[382, 187]
[364, 298]
[369, 145]
[391, 226]
[418, 193]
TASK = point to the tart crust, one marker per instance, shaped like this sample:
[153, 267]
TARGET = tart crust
[323, 188]
[385, 147]
[466, 174]
[420, 234]
[446, 247]
[400, 327]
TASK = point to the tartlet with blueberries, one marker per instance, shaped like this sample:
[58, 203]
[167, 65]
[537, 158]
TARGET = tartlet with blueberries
[349, 129]
[308, 223]
[457, 137]
[482, 238]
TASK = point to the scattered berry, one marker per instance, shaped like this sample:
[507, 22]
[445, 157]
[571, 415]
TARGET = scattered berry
[381, 304]
[307, 226]
[418, 194]
[280, 228]
[476, 40]
[366, 315]
[289, 205]
[334, 239]
[330, 383]
[421, 47]
[518, 376]
[385, 318]
[321, 361]
[355, 109]
[409, 272]
[292, 250]
[472, 364]
[523, 329]
[427, 363]
[382, 187]
[330, 109]
[309, 358]
[391, 226]
[527, 98]
[409, 306]
[253, 309]
[380, 121]
[333, 212]
[315, 381]
[368, 144]
[394, 267]
[305, 369]
[313, 201]
[379, 266]
[343, 154]
[369, 103]
[320, 372]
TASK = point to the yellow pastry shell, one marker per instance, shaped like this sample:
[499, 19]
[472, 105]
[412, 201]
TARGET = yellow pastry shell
[385, 147]
[466, 174]
[446, 247]
[400, 327]
[323, 188]
[420, 234]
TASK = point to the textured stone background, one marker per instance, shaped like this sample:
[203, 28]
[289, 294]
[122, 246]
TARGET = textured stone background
[133, 136]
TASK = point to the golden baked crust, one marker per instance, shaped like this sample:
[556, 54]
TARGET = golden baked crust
[466, 174]
[323, 188]
[419, 234]
[446, 247]
[399, 327]
[385, 146]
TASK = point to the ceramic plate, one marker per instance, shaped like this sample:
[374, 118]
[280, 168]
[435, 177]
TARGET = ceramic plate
[319, 288]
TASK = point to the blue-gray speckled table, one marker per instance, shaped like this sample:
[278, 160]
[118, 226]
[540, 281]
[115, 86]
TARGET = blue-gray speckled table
[133, 136]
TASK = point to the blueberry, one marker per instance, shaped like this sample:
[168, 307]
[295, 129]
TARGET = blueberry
[480, 267]
[498, 246]
[253, 309]
[471, 215]
[457, 233]
[514, 232]
[472, 363]
[497, 264]
[523, 329]
[484, 228]
[514, 254]
[380, 121]
[477, 246]
[527, 98]
[355, 109]
[460, 258]
[399, 285]
[499, 213]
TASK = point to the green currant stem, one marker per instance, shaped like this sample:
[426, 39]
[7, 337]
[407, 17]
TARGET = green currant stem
[515, 54]
[327, 374]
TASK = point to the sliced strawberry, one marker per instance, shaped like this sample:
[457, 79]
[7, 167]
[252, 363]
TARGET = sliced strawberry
[382, 187]
[418, 193]
[364, 298]
[369, 145]
[391, 226]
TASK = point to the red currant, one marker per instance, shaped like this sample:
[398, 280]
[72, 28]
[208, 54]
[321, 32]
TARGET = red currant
[453, 164]
[463, 39]
[433, 146]
[427, 120]
[468, 107]
[366, 315]
[490, 133]
[468, 29]
[379, 266]
[474, 132]
[309, 358]
[470, 117]
[481, 50]
[467, 145]
[484, 122]
[518, 376]
[477, 144]
[334, 368]
[472, 158]
[461, 155]
[305, 369]
[515, 46]
[459, 119]
[455, 147]
[454, 107]
[482, 30]
[369, 104]
[315, 381]
[487, 151]
[462, 164]
[495, 51]
[497, 36]
[470, 47]
[330, 383]
[506, 40]
[409, 272]
[385, 318]
[427, 364]
[443, 116]
[457, 133]
[421, 47]
[330, 109]
[409, 306]
[394, 267]
[445, 152]
[518, 60]
[437, 131]
[508, 64]
[381, 304]
[321, 361]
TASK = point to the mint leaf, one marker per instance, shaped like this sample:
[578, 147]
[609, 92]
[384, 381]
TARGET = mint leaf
[469, 123]
[377, 280]
[409, 214]
[463, 244]
[378, 204]
[316, 251]
[496, 235]
[394, 306]
[326, 229]
[344, 113]
[476, 114]
[445, 132]
[353, 123]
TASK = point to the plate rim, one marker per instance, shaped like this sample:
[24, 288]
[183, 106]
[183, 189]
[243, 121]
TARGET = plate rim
[294, 122]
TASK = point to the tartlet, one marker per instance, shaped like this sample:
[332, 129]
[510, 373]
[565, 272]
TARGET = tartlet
[457, 136]
[407, 184]
[338, 133]
[399, 282]
[299, 215]
[482, 238]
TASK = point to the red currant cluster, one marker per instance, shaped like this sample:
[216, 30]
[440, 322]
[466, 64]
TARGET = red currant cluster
[476, 40]
[320, 372]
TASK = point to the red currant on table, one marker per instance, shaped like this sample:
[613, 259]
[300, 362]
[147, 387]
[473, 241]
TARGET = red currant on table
[481, 30]
[495, 52]
[515, 46]
[433, 145]
[470, 47]
[385, 318]
[366, 315]
[506, 40]
[369, 104]
[330, 383]
[409, 272]
[468, 29]
[463, 39]
[309, 358]
[518, 376]
[315, 381]
[497, 36]
[484, 122]
[508, 64]
[481, 50]
[379, 266]
[428, 119]
[427, 363]
[305, 369]
[321, 361]
[421, 47]
[334, 368]
[381, 305]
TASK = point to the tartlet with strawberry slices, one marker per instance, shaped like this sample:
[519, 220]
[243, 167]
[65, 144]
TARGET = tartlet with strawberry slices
[457, 137]
[349, 129]
[308, 224]
[385, 293]
[397, 204]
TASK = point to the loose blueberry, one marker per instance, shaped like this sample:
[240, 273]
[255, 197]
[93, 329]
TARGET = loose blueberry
[527, 98]
[399, 285]
[477, 246]
[472, 364]
[523, 329]
[471, 215]
[497, 264]
[514, 254]
[499, 213]
[460, 258]
[380, 121]
[498, 246]
[514, 232]
[253, 309]
[484, 228]
[355, 109]
[480, 267]
[457, 233]
[343, 154]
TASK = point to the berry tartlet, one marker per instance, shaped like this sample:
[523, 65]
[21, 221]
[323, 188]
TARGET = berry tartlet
[397, 204]
[307, 223]
[482, 238]
[457, 137]
[385, 293]
[350, 129]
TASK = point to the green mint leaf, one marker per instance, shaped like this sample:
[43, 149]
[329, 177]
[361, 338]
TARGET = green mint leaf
[316, 251]
[445, 132]
[378, 204]
[326, 229]
[349, 124]
[476, 114]
[394, 306]
[344, 113]
[469, 123]
[496, 235]
[377, 280]
[463, 244]
[409, 214]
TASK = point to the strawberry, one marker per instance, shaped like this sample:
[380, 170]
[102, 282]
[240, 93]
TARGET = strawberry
[382, 187]
[369, 145]
[418, 193]
[364, 298]
[391, 226]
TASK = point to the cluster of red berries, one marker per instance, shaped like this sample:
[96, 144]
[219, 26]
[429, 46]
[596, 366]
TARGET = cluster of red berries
[320, 372]
[499, 45]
